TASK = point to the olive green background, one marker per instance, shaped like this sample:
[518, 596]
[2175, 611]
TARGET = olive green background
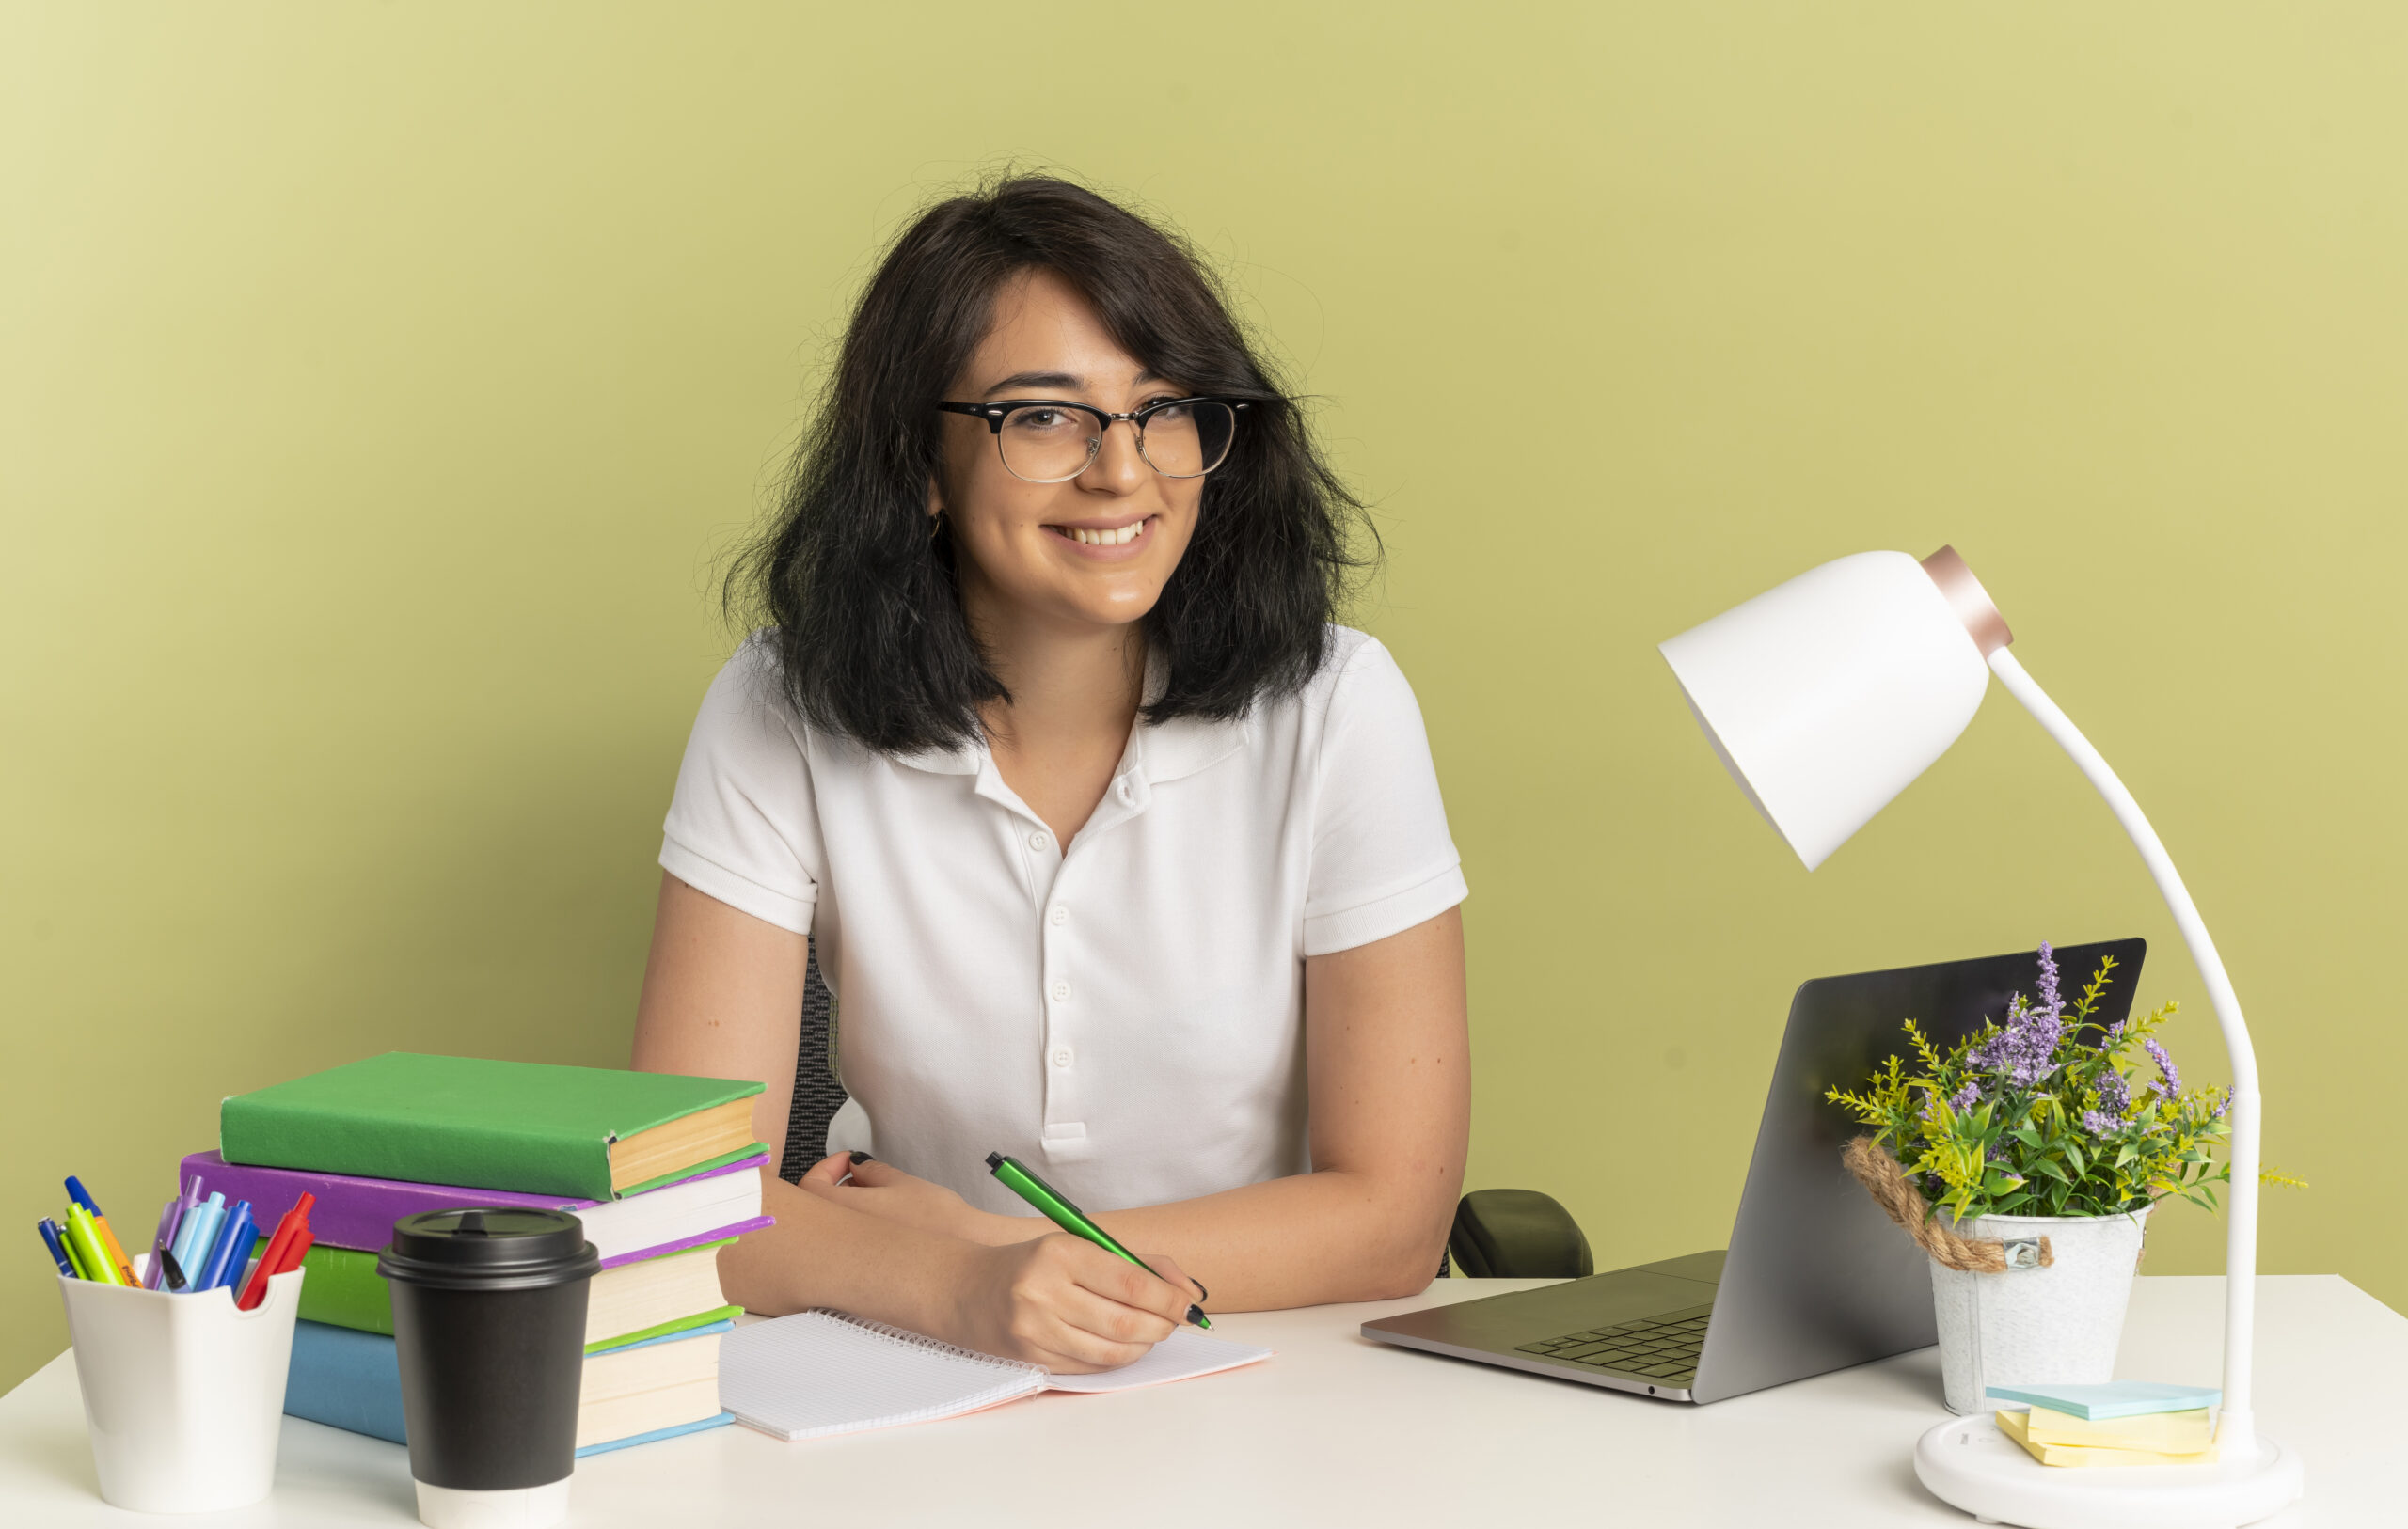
[382, 386]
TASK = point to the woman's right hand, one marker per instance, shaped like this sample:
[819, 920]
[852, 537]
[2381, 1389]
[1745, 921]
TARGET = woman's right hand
[1063, 1302]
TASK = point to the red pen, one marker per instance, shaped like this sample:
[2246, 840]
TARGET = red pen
[280, 1255]
[302, 1241]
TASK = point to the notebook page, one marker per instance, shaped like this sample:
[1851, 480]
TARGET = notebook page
[814, 1374]
[1185, 1355]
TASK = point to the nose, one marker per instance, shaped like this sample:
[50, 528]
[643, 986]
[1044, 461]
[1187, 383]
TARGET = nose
[1118, 466]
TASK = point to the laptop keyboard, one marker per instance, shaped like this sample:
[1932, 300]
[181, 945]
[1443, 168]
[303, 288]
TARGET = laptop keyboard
[1662, 1348]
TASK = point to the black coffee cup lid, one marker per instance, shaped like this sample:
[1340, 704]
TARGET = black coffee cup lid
[489, 1248]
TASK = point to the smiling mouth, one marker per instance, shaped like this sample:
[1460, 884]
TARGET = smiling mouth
[1091, 536]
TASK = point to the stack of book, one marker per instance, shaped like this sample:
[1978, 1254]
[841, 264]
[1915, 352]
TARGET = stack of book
[662, 1171]
[2117, 1423]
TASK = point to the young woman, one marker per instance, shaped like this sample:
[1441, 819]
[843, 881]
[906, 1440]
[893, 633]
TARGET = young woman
[1121, 860]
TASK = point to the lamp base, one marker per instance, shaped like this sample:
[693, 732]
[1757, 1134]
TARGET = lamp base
[1968, 1463]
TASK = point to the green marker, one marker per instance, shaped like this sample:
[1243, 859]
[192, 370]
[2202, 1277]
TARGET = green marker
[1070, 1217]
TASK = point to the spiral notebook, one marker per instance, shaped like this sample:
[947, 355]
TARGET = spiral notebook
[818, 1373]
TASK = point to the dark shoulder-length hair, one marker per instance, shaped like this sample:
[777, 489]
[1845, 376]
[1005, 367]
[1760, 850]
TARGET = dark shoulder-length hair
[859, 592]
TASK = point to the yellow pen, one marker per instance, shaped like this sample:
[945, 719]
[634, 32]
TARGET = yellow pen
[110, 1246]
[84, 1241]
[67, 1246]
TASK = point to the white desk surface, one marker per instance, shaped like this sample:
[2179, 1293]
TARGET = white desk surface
[1337, 1430]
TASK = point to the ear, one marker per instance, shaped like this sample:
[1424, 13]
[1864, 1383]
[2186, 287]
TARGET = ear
[936, 497]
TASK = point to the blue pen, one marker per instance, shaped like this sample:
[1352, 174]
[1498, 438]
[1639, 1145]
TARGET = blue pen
[197, 1235]
[239, 1262]
[235, 1234]
[50, 1235]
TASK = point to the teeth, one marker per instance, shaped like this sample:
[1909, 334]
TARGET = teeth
[1105, 539]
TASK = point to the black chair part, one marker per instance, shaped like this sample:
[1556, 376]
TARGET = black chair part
[1517, 1235]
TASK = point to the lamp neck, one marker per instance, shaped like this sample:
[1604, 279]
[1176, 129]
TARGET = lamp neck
[1972, 603]
[2237, 1433]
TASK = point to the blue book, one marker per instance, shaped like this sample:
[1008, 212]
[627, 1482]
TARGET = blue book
[352, 1381]
[2111, 1400]
[723, 1420]
[345, 1378]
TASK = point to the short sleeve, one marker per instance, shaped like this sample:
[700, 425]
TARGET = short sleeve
[743, 827]
[1381, 860]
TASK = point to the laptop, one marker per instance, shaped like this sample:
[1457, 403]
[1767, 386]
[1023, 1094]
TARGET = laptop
[1816, 1277]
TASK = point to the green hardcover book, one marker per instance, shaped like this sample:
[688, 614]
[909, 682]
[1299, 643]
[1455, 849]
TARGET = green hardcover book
[341, 1286]
[649, 1299]
[595, 1133]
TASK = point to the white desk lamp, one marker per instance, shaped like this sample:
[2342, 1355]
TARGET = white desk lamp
[1825, 697]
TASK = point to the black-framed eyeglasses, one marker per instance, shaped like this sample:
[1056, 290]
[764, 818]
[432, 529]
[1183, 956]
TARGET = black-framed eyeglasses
[1046, 440]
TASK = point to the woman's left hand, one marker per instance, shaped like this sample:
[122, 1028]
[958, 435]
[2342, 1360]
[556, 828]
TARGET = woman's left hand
[884, 1190]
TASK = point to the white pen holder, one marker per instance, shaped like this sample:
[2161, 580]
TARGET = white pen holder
[185, 1394]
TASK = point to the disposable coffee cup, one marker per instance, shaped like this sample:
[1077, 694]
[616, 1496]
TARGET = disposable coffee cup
[489, 1326]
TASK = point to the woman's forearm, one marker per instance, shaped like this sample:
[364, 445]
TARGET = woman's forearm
[1055, 1302]
[1328, 1236]
[824, 1254]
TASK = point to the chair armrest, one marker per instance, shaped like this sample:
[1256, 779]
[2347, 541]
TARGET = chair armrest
[1517, 1235]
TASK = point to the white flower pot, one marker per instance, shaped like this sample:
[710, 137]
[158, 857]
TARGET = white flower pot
[2038, 1325]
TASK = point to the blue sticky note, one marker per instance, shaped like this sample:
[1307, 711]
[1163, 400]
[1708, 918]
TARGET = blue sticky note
[2113, 1399]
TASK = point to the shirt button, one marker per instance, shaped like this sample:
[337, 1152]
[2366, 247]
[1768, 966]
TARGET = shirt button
[1126, 791]
[1061, 914]
[1061, 992]
[1062, 1057]
[1037, 840]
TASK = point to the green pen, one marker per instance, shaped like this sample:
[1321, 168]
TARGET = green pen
[1070, 1217]
[84, 1241]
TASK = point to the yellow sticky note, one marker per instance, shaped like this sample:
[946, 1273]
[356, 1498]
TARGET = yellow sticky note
[2162, 1433]
[2015, 1426]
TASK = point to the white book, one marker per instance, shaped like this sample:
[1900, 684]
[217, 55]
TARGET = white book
[672, 1213]
[634, 1297]
[668, 1382]
[647, 1412]
[820, 1373]
[674, 1360]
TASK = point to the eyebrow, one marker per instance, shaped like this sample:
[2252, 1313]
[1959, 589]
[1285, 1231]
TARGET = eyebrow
[1064, 380]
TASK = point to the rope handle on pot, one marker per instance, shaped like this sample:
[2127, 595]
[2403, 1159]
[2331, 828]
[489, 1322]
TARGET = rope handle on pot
[1886, 1182]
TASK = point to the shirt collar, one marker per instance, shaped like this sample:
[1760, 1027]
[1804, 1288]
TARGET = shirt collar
[960, 759]
[1157, 752]
[1184, 745]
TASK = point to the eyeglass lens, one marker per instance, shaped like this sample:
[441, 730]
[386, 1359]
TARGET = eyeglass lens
[1048, 444]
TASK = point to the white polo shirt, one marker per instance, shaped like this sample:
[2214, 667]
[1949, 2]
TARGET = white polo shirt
[1126, 1018]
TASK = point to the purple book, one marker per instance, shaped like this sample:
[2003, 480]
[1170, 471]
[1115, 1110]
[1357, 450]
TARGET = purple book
[359, 1213]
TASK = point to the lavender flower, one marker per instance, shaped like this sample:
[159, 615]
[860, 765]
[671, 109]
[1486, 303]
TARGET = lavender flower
[2049, 998]
[2221, 1105]
[1966, 1098]
[2115, 1099]
[2025, 1049]
[2099, 1123]
[2172, 1083]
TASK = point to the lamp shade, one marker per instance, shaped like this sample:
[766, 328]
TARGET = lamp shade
[1825, 695]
